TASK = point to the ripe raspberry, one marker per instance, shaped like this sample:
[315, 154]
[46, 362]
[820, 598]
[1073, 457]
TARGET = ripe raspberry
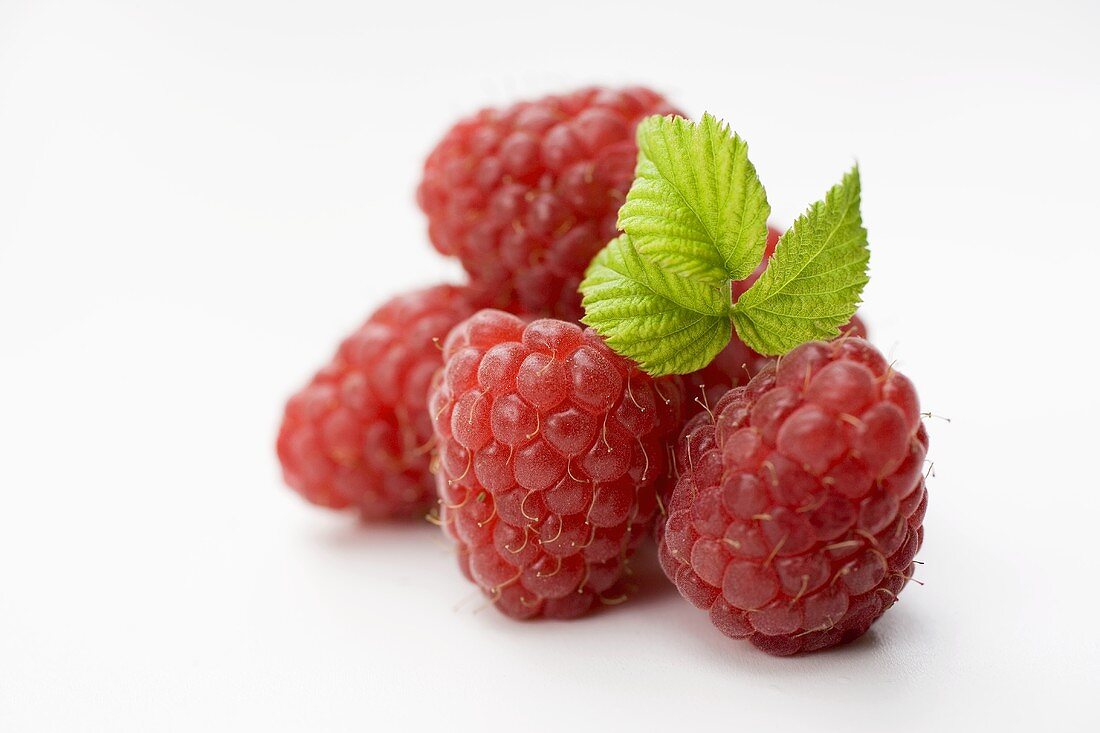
[551, 449]
[736, 364]
[527, 195]
[358, 433]
[799, 506]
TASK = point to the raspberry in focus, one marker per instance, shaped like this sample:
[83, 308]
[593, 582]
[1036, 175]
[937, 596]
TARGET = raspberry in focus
[358, 435]
[800, 501]
[526, 196]
[551, 449]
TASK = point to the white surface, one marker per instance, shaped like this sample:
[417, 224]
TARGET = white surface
[198, 199]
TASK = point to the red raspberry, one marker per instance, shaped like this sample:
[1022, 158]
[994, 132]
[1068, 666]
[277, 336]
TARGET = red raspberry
[359, 433]
[736, 364]
[799, 506]
[526, 196]
[551, 449]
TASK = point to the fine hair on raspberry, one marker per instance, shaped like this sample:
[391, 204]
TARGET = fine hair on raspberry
[801, 498]
[551, 450]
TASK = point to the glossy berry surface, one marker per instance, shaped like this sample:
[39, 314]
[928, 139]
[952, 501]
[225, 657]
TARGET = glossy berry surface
[736, 364]
[800, 502]
[526, 196]
[551, 449]
[358, 435]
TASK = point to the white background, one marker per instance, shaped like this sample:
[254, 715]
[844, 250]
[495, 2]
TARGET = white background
[197, 199]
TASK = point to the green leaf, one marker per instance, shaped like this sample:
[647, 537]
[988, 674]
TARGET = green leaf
[813, 282]
[666, 323]
[696, 206]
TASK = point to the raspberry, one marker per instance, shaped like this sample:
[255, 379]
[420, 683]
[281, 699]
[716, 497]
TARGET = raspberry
[526, 196]
[358, 433]
[551, 448]
[736, 364]
[799, 506]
